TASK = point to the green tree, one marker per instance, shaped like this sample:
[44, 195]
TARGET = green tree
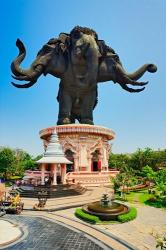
[118, 161]
[148, 173]
[160, 180]
[141, 158]
[7, 162]
[15, 162]
[125, 179]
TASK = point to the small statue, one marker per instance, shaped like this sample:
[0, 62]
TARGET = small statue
[42, 197]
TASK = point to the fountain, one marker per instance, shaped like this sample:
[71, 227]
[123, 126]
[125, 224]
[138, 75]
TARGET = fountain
[106, 209]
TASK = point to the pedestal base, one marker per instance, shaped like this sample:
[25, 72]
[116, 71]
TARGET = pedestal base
[87, 146]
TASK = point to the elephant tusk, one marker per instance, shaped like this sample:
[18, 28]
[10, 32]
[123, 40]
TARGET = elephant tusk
[138, 83]
[26, 85]
[21, 78]
[125, 87]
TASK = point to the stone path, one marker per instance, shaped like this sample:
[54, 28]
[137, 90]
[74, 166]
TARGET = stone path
[48, 235]
[137, 234]
[140, 232]
[92, 194]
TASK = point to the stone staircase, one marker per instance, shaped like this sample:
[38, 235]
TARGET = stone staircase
[91, 179]
[52, 191]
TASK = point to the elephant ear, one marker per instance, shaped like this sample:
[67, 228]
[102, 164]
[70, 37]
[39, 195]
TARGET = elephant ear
[47, 48]
[107, 51]
[64, 41]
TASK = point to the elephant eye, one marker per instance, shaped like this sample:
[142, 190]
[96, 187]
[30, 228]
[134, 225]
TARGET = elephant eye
[76, 35]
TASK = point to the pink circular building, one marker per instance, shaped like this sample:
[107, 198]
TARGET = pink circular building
[87, 147]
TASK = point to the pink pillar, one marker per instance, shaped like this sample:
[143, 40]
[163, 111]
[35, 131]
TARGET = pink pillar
[91, 165]
[63, 173]
[54, 174]
[42, 173]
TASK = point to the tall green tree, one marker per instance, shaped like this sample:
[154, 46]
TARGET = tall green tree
[7, 162]
[160, 180]
[148, 173]
[118, 161]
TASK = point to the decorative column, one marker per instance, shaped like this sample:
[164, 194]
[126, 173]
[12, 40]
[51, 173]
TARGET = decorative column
[105, 161]
[42, 173]
[76, 162]
[54, 174]
[63, 173]
[91, 165]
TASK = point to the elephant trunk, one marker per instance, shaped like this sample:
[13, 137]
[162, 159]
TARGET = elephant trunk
[30, 74]
[124, 78]
[138, 73]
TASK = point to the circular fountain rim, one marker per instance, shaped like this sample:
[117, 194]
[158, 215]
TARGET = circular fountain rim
[106, 216]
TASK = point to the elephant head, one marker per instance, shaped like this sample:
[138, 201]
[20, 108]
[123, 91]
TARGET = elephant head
[53, 58]
[50, 59]
[111, 69]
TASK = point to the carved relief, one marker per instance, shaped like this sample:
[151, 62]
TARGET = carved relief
[83, 141]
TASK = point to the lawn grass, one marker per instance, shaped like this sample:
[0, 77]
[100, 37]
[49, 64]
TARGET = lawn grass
[144, 197]
[137, 196]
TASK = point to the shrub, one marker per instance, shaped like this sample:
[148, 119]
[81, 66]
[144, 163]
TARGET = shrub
[85, 216]
[131, 215]
[152, 199]
[157, 202]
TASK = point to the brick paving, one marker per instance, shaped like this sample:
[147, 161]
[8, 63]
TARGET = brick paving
[49, 235]
[140, 232]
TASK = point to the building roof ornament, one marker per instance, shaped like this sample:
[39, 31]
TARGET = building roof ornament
[54, 152]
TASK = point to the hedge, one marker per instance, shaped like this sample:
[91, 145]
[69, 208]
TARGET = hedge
[131, 215]
[85, 216]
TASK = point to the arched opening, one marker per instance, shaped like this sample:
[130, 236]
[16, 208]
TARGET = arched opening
[70, 156]
[96, 163]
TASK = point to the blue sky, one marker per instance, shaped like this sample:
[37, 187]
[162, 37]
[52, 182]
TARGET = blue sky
[136, 31]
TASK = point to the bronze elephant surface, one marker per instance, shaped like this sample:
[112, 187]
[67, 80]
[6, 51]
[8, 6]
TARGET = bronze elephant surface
[81, 61]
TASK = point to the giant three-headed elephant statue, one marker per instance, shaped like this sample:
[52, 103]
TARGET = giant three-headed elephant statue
[81, 61]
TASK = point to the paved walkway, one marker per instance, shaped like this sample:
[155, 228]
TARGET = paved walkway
[48, 235]
[92, 194]
[140, 232]
[137, 234]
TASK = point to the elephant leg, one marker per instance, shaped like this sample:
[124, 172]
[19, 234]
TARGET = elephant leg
[65, 104]
[87, 106]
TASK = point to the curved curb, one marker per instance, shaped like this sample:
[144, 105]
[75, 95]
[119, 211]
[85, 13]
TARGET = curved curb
[92, 238]
[112, 236]
[25, 232]
[21, 237]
